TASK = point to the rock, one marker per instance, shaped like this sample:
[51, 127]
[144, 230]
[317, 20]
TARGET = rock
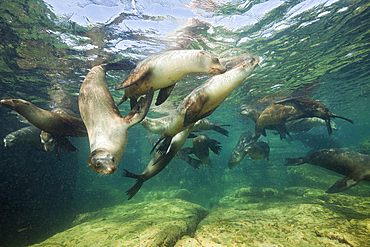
[155, 223]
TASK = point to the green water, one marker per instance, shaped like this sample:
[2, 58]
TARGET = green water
[316, 49]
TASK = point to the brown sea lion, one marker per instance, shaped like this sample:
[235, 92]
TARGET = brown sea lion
[107, 129]
[54, 123]
[201, 145]
[158, 162]
[28, 134]
[203, 100]
[258, 150]
[164, 69]
[293, 109]
[354, 166]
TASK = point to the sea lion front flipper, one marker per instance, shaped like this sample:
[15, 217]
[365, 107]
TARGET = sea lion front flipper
[134, 189]
[163, 94]
[328, 126]
[134, 76]
[140, 110]
[214, 146]
[343, 184]
[64, 143]
[221, 130]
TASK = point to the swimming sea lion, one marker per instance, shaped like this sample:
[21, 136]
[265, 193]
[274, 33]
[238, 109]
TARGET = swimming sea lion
[205, 124]
[203, 100]
[158, 162]
[239, 152]
[28, 134]
[107, 130]
[258, 150]
[51, 122]
[305, 124]
[164, 69]
[201, 145]
[293, 109]
[355, 166]
[306, 107]
[159, 125]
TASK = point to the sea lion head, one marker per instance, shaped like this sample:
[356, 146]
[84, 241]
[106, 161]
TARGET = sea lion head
[102, 161]
[213, 63]
[48, 141]
[13, 103]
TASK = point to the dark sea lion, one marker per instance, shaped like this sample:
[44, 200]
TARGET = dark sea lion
[201, 145]
[51, 122]
[28, 134]
[163, 70]
[158, 162]
[306, 107]
[203, 100]
[107, 129]
[354, 166]
[319, 141]
[258, 150]
[293, 109]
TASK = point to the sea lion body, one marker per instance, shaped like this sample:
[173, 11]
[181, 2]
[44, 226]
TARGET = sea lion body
[203, 100]
[201, 145]
[293, 109]
[51, 122]
[107, 130]
[28, 134]
[158, 162]
[306, 108]
[164, 69]
[239, 151]
[258, 150]
[354, 166]
[305, 124]
[205, 124]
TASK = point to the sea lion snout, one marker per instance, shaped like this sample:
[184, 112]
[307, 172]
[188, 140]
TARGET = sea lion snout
[102, 161]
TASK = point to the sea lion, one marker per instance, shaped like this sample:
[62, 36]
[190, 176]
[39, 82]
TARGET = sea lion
[305, 124]
[256, 149]
[203, 100]
[54, 123]
[28, 134]
[107, 130]
[201, 145]
[164, 69]
[293, 109]
[319, 141]
[159, 125]
[205, 124]
[354, 166]
[259, 150]
[306, 107]
[158, 162]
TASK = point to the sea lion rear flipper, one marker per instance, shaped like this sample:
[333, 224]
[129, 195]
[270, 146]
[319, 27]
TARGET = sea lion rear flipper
[64, 143]
[221, 130]
[343, 184]
[134, 189]
[163, 94]
[134, 76]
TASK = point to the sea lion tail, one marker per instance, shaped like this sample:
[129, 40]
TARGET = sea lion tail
[214, 146]
[134, 189]
[221, 130]
[294, 161]
[337, 116]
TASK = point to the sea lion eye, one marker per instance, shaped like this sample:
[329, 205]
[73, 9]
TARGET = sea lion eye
[98, 165]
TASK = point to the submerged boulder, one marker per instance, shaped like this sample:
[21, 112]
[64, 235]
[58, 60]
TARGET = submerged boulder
[154, 223]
